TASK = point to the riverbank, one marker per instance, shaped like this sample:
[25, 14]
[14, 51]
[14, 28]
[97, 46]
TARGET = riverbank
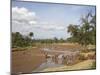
[87, 64]
[34, 59]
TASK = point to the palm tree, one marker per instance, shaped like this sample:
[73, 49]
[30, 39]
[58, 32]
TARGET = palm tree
[31, 34]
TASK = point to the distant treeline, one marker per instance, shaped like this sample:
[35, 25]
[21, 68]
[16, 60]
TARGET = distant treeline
[19, 40]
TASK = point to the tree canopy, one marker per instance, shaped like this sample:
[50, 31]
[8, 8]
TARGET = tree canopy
[85, 33]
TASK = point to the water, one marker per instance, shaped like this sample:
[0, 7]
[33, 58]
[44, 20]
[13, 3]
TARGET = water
[46, 49]
[49, 61]
[48, 64]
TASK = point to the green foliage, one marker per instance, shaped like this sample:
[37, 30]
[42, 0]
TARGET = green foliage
[85, 33]
[20, 41]
[93, 65]
[31, 34]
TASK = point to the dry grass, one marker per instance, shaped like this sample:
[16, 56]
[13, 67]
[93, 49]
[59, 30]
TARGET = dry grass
[79, 66]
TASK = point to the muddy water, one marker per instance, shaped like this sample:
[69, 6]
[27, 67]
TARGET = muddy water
[48, 64]
[51, 61]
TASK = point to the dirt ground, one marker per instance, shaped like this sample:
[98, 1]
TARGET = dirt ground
[27, 60]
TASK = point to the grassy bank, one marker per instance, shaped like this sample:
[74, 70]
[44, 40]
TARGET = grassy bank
[87, 64]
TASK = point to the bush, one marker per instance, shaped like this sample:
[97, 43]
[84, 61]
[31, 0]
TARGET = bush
[82, 57]
[91, 56]
[93, 65]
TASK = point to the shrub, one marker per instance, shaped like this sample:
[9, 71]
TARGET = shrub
[93, 65]
[82, 57]
[91, 56]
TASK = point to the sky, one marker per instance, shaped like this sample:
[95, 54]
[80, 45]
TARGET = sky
[46, 20]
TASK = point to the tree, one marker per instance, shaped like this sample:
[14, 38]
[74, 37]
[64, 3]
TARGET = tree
[85, 33]
[55, 40]
[31, 34]
[74, 30]
[18, 40]
[89, 29]
[93, 32]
